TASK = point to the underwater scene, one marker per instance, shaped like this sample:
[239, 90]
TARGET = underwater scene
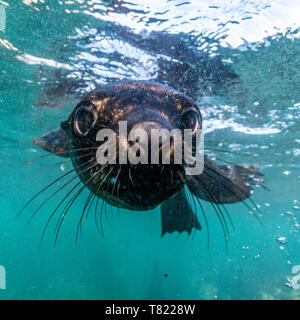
[231, 68]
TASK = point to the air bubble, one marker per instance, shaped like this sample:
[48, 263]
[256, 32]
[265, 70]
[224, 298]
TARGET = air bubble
[282, 240]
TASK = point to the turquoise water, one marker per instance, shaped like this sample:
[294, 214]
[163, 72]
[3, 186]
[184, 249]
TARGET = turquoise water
[260, 116]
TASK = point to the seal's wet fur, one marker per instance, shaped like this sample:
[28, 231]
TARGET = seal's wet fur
[143, 187]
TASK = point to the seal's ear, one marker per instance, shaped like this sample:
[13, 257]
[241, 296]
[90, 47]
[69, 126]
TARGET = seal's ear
[224, 184]
[55, 141]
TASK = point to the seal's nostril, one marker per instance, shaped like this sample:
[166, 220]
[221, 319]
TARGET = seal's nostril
[149, 128]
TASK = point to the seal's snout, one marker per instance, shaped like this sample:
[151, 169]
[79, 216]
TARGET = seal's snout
[150, 126]
[153, 136]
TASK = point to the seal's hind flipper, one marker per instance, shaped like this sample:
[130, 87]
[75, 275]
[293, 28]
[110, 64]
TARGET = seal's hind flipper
[177, 215]
[224, 184]
[55, 141]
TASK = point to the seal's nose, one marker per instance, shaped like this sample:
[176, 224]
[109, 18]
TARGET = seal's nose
[142, 131]
[154, 139]
[147, 126]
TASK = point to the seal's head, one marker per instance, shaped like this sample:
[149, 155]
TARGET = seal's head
[124, 108]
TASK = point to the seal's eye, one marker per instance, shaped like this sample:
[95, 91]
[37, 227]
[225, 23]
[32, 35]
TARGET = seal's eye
[191, 120]
[84, 120]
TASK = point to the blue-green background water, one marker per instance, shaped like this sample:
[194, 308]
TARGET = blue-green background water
[260, 40]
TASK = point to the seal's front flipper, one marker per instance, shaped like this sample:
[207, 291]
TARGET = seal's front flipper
[224, 184]
[55, 141]
[177, 215]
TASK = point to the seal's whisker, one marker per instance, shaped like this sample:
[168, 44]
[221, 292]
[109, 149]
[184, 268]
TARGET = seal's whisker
[130, 177]
[91, 195]
[91, 204]
[95, 215]
[105, 209]
[189, 199]
[252, 171]
[232, 163]
[240, 199]
[88, 199]
[103, 206]
[234, 152]
[66, 210]
[213, 199]
[50, 197]
[102, 183]
[71, 202]
[101, 215]
[222, 205]
[60, 153]
[57, 207]
[59, 189]
[86, 181]
[105, 213]
[218, 212]
[228, 216]
[60, 163]
[183, 179]
[204, 215]
[172, 175]
[202, 210]
[118, 189]
[48, 186]
[106, 190]
[87, 202]
[234, 193]
[96, 210]
[116, 180]
[50, 167]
